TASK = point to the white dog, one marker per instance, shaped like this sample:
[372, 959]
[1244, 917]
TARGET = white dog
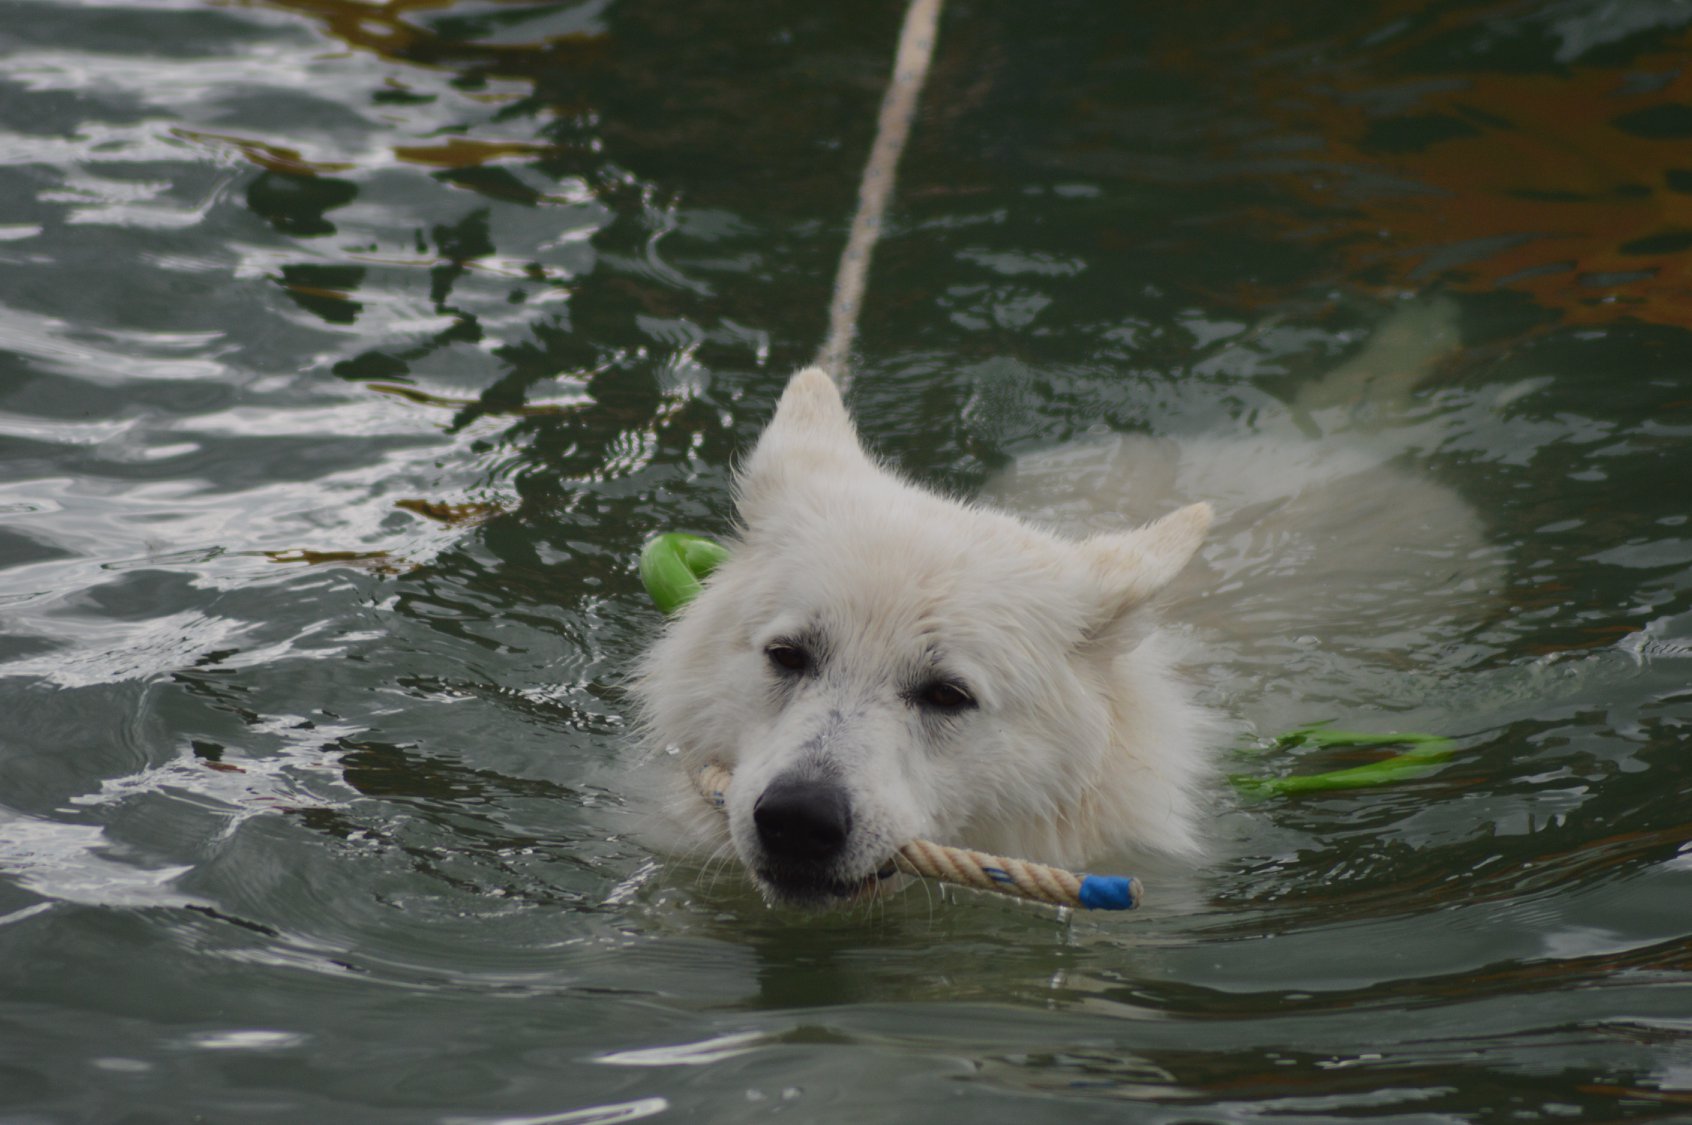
[877, 663]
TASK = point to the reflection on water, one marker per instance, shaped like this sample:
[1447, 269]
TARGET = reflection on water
[1463, 150]
[348, 351]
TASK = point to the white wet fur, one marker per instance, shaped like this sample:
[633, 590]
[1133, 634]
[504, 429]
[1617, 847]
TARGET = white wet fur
[1083, 740]
[1330, 563]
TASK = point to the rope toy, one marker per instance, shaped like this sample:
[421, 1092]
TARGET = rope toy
[966, 868]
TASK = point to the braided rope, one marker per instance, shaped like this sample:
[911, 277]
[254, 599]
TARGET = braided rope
[984, 872]
[910, 71]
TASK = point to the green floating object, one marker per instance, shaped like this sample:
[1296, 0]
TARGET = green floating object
[1427, 752]
[673, 565]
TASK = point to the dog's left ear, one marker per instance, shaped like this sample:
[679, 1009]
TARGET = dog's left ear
[1131, 566]
[811, 433]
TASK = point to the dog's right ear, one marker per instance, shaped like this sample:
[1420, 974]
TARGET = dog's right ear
[811, 433]
[1130, 567]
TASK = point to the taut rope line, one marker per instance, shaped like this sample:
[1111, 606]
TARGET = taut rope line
[965, 868]
[910, 71]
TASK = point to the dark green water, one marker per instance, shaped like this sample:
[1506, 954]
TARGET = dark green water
[348, 353]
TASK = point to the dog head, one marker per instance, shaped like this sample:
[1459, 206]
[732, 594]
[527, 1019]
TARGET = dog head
[878, 663]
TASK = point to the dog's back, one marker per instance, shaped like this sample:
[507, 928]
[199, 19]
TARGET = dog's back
[1328, 557]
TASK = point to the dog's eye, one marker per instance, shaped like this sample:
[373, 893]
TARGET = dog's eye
[944, 695]
[788, 657]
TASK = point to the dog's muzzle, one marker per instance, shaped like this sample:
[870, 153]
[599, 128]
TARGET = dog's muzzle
[803, 822]
[804, 826]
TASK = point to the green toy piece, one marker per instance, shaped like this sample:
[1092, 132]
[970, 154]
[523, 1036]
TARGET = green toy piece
[1427, 751]
[673, 566]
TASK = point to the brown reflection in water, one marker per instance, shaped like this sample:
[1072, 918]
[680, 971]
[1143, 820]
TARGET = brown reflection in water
[1668, 1097]
[1670, 959]
[272, 158]
[1570, 185]
[1243, 1076]
[1573, 851]
[453, 515]
[525, 410]
[738, 101]
[463, 152]
[1436, 1080]
[385, 29]
[377, 562]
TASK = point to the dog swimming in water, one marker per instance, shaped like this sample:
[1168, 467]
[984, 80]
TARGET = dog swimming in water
[877, 662]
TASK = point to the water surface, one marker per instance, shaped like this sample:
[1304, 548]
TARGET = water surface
[348, 353]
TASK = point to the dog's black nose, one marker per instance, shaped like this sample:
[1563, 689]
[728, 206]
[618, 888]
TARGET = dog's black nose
[802, 820]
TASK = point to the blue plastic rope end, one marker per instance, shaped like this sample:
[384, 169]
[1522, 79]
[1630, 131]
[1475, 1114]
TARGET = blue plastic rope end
[1109, 892]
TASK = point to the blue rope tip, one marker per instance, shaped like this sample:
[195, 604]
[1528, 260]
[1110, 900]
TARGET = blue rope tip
[1109, 892]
